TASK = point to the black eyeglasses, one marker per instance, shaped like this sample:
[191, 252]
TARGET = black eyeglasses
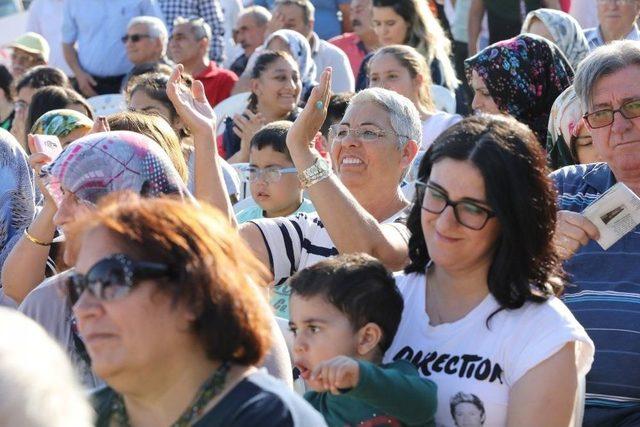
[113, 277]
[135, 38]
[602, 118]
[468, 214]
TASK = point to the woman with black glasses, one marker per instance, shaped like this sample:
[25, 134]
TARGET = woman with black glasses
[168, 302]
[481, 315]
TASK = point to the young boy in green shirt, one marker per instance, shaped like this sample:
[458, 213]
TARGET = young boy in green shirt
[344, 313]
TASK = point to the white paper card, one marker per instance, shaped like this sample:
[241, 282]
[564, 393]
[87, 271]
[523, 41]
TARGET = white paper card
[615, 213]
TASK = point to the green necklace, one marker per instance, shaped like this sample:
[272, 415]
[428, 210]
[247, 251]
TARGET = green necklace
[210, 389]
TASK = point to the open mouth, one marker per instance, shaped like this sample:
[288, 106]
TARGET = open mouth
[351, 161]
[305, 372]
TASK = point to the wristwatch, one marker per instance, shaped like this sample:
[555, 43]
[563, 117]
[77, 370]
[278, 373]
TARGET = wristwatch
[315, 173]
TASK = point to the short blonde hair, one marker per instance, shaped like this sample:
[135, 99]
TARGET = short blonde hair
[37, 383]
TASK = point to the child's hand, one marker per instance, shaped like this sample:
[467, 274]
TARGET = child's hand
[341, 372]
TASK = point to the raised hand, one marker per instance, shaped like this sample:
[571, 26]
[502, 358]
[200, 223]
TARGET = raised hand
[310, 120]
[341, 372]
[191, 105]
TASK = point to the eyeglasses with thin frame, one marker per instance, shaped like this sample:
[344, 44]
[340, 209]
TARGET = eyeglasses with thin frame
[602, 118]
[467, 213]
[113, 277]
[135, 38]
[269, 174]
[339, 132]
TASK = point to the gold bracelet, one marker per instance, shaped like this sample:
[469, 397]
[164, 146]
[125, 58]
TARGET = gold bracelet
[34, 240]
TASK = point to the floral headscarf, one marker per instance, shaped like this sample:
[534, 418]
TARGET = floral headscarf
[566, 31]
[301, 53]
[565, 122]
[17, 200]
[524, 75]
[101, 163]
[61, 123]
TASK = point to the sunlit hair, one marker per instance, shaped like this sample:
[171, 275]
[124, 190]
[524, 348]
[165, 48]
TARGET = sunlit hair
[156, 28]
[50, 98]
[425, 34]
[213, 273]
[156, 128]
[37, 383]
[525, 265]
[415, 64]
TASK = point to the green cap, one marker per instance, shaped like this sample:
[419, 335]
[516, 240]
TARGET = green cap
[32, 43]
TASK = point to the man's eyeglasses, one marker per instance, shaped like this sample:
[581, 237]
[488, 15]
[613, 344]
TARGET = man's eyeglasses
[113, 277]
[135, 38]
[602, 118]
[339, 132]
[270, 174]
[467, 213]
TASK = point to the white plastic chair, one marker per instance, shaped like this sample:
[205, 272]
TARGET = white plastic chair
[443, 98]
[231, 106]
[103, 105]
[244, 185]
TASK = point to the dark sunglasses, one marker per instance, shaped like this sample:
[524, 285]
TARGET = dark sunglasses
[135, 38]
[113, 277]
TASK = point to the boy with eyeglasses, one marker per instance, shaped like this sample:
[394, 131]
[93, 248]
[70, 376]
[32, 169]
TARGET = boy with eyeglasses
[273, 179]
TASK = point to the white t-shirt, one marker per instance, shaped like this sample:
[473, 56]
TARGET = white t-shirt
[435, 125]
[482, 363]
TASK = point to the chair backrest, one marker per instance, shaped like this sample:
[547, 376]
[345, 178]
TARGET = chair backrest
[244, 185]
[235, 104]
[103, 105]
[444, 99]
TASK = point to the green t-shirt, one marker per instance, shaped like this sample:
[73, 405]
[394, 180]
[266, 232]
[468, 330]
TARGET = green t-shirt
[391, 394]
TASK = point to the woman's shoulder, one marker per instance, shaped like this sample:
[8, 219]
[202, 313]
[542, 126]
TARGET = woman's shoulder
[408, 283]
[262, 400]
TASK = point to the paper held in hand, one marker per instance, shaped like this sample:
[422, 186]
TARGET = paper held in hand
[615, 213]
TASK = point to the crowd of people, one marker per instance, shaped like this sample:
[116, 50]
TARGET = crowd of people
[309, 213]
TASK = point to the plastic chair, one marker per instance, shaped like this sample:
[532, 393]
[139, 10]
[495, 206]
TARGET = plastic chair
[244, 184]
[103, 105]
[443, 98]
[231, 106]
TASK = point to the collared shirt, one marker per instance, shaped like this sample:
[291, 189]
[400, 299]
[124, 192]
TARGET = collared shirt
[217, 82]
[595, 38]
[209, 10]
[97, 26]
[604, 296]
[45, 18]
[353, 47]
[325, 54]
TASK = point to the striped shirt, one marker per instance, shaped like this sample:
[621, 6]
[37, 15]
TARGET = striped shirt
[299, 241]
[604, 295]
[595, 39]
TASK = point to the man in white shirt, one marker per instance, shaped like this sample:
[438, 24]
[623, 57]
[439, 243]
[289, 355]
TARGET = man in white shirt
[298, 15]
[45, 18]
[617, 21]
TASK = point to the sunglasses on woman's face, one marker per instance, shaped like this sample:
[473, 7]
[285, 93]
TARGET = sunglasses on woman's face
[113, 277]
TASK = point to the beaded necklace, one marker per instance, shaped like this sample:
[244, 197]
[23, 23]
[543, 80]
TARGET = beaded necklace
[210, 389]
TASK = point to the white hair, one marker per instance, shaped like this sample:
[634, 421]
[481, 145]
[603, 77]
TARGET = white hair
[404, 117]
[261, 14]
[155, 27]
[38, 386]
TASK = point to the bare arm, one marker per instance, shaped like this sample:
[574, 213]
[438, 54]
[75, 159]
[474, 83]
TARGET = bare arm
[476, 13]
[195, 111]
[546, 394]
[355, 229]
[85, 81]
[552, 4]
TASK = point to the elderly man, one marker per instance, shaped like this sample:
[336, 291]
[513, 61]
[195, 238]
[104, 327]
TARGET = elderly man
[617, 21]
[146, 41]
[28, 51]
[189, 46]
[249, 33]
[606, 295]
[363, 40]
[209, 10]
[359, 207]
[298, 15]
[95, 27]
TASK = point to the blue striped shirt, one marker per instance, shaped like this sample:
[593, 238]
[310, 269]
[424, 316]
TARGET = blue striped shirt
[604, 295]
